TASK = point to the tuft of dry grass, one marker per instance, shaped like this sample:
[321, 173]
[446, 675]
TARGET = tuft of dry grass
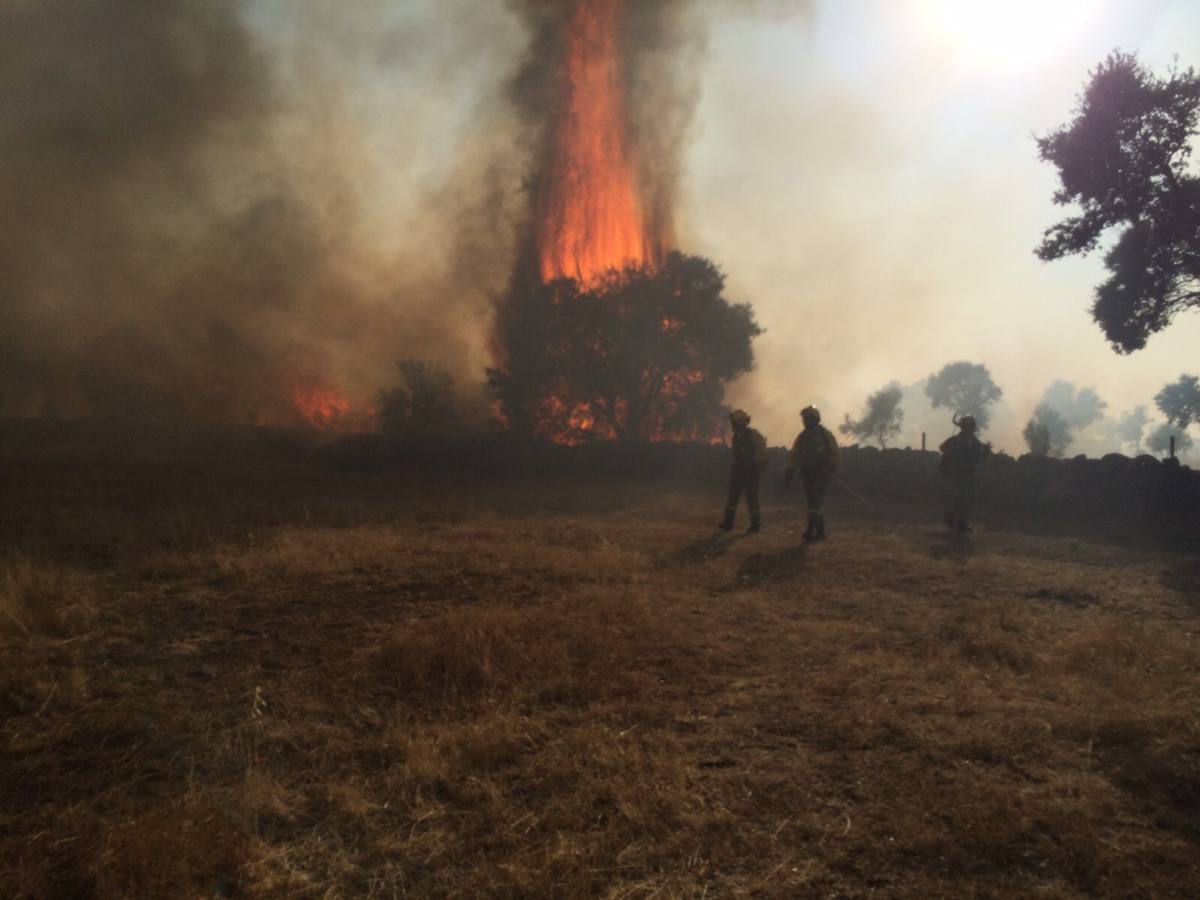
[38, 598]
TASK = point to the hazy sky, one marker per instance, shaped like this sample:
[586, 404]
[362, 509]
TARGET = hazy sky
[296, 206]
[868, 179]
[865, 173]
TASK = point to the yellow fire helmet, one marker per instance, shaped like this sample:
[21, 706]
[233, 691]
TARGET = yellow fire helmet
[739, 417]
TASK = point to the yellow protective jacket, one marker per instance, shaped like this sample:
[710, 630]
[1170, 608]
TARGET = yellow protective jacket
[815, 450]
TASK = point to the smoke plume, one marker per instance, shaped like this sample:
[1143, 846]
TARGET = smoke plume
[184, 217]
[230, 209]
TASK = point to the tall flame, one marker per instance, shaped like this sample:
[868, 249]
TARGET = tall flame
[590, 214]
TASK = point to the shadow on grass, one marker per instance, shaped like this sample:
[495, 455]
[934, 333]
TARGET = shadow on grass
[773, 565]
[1163, 780]
[708, 547]
[1184, 578]
[951, 544]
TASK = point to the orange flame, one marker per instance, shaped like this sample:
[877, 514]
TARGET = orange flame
[327, 409]
[590, 215]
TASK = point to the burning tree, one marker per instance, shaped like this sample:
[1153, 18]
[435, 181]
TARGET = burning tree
[606, 332]
[639, 355]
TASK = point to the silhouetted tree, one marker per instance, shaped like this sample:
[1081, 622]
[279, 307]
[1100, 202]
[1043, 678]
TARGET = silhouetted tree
[1180, 401]
[964, 388]
[423, 402]
[642, 355]
[1047, 433]
[1159, 440]
[1131, 427]
[881, 419]
[1080, 407]
[1124, 160]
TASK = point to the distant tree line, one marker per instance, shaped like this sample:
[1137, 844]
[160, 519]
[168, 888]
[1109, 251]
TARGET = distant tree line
[966, 388]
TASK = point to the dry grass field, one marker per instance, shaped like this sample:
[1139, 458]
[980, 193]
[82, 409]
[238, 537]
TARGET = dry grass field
[280, 682]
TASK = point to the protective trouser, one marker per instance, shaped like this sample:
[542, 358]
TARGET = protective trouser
[961, 498]
[816, 484]
[742, 481]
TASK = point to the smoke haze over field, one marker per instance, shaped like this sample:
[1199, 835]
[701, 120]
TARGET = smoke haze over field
[207, 204]
[186, 214]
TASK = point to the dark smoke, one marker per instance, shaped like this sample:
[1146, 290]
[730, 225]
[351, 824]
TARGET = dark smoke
[180, 222]
[106, 194]
[188, 215]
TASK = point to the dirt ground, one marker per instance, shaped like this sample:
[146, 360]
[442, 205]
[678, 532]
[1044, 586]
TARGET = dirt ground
[282, 682]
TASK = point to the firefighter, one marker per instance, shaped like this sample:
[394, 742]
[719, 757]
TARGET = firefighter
[961, 453]
[815, 454]
[749, 460]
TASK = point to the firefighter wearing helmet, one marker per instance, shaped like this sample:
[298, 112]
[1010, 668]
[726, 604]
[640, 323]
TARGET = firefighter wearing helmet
[961, 454]
[815, 454]
[749, 460]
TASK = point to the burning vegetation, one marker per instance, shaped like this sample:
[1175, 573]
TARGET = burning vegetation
[240, 288]
[607, 332]
[641, 356]
[590, 214]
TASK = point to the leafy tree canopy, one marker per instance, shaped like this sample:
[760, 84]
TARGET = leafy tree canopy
[1159, 440]
[1079, 406]
[1180, 401]
[1132, 426]
[423, 402]
[1047, 433]
[964, 388]
[1124, 161]
[642, 356]
[880, 421]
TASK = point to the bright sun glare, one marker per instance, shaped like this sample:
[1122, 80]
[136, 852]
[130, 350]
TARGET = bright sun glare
[1005, 35]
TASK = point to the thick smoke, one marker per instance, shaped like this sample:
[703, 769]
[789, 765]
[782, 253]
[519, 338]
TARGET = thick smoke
[198, 206]
[182, 222]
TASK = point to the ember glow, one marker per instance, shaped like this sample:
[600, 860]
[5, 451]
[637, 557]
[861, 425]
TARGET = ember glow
[590, 215]
[327, 409]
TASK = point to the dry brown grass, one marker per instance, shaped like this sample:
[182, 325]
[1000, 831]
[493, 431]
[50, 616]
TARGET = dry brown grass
[44, 599]
[373, 687]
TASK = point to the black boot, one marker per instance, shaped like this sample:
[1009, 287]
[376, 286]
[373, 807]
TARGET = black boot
[754, 524]
[727, 522]
[816, 528]
[810, 533]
